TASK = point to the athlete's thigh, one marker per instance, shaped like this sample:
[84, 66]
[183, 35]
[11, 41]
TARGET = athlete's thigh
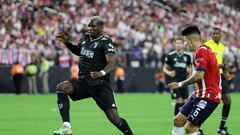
[187, 107]
[184, 92]
[80, 89]
[202, 109]
[226, 98]
[104, 97]
[65, 86]
[225, 85]
[175, 94]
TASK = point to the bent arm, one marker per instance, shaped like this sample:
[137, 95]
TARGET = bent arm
[73, 48]
[111, 62]
[197, 76]
[165, 69]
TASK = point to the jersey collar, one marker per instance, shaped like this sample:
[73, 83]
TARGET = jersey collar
[95, 38]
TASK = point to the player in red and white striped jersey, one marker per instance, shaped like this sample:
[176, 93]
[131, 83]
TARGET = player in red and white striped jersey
[210, 86]
[207, 94]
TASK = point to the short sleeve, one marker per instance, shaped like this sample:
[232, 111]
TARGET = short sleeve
[108, 47]
[167, 60]
[189, 60]
[202, 59]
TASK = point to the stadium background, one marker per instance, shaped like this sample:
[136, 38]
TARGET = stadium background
[142, 32]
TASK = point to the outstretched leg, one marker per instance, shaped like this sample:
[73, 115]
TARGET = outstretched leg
[120, 123]
[63, 89]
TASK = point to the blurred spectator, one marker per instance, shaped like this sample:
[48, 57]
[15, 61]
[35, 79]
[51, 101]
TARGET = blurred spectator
[119, 77]
[160, 80]
[64, 60]
[17, 72]
[43, 74]
[31, 71]
[74, 70]
[139, 28]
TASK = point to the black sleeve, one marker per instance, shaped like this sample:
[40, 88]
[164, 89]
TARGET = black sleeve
[73, 48]
[168, 60]
[108, 47]
[189, 60]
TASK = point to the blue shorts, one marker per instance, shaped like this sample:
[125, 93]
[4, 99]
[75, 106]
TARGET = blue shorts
[197, 110]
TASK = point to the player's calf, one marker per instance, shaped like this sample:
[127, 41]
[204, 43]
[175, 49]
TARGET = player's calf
[124, 127]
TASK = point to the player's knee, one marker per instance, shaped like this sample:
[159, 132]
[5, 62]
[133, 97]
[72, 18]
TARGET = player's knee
[65, 87]
[227, 101]
[114, 119]
[178, 122]
[190, 128]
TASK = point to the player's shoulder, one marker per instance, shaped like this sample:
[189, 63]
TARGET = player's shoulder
[187, 53]
[85, 36]
[105, 38]
[221, 45]
[204, 49]
[208, 42]
[172, 53]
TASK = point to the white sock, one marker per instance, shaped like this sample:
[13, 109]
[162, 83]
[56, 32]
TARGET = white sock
[195, 133]
[67, 124]
[178, 131]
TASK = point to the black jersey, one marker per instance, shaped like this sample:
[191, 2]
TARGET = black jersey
[178, 63]
[92, 57]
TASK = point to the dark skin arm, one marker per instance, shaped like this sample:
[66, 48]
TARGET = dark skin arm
[111, 59]
[197, 76]
[64, 38]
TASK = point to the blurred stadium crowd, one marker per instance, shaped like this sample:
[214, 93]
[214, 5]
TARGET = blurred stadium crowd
[142, 30]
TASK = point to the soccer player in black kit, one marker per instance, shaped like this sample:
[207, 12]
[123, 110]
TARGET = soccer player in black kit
[97, 59]
[176, 66]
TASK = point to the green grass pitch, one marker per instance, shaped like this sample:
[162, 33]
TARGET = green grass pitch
[147, 114]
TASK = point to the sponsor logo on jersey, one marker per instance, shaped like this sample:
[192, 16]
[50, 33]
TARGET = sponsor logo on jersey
[87, 53]
[180, 64]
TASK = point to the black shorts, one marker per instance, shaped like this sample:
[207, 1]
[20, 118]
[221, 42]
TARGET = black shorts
[197, 110]
[102, 94]
[225, 85]
[180, 93]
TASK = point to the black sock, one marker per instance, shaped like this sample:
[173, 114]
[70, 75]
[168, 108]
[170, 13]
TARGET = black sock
[177, 108]
[225, 113]
[63, 105]
[123, 126]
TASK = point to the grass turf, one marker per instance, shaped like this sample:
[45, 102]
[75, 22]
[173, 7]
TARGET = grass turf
[147, 114]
